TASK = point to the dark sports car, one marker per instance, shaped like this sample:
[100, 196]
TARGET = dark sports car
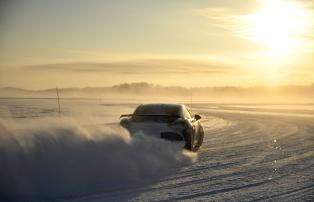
[169, 121]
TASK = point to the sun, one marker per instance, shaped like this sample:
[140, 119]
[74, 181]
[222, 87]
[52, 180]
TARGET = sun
[279, 29]
[278, 25]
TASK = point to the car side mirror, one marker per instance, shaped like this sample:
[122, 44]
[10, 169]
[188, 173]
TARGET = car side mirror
[125, 123]
[197, 117]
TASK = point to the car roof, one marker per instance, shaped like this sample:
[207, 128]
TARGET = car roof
[159, 108]
[162, 104]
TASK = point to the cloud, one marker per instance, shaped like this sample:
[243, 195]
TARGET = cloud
[222, 18]
[264, 13]
[145, 66]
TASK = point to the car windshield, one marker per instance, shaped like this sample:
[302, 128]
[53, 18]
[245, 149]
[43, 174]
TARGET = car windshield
[157, 113]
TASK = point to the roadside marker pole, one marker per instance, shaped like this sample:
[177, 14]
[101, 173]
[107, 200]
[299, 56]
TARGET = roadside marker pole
[191, 99]
[58, 100]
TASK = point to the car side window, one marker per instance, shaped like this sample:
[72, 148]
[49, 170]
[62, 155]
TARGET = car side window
[186, 113]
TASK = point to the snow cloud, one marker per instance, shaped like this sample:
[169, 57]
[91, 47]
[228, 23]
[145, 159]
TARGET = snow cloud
[56, 157]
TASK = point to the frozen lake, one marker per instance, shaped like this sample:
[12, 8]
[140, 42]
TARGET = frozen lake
[251, 152]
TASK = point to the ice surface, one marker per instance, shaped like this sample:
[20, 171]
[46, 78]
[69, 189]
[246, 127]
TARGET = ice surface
[262, 155]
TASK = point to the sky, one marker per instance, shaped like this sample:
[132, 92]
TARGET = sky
[78, 43]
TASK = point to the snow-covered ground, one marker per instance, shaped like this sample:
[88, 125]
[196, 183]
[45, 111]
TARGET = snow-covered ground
[250, 153]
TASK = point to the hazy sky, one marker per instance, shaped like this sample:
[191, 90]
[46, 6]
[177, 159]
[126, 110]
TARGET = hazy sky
[77, 43]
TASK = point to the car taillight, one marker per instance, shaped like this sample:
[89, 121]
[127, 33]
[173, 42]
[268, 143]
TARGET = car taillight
[178, 124]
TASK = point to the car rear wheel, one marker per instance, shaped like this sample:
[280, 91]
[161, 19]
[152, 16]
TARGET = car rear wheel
[190, 142]
[200, 139]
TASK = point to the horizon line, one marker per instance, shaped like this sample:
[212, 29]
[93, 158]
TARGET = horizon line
[165, 86]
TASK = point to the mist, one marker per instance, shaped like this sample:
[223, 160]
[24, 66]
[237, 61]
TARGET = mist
[143, 90]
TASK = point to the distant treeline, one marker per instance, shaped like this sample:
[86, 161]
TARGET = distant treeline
[147, 89]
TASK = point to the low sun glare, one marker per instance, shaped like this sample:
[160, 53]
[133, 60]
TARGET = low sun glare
[278, 25]
[279, 28]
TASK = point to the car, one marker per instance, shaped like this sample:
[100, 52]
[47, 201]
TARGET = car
[172, 122]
